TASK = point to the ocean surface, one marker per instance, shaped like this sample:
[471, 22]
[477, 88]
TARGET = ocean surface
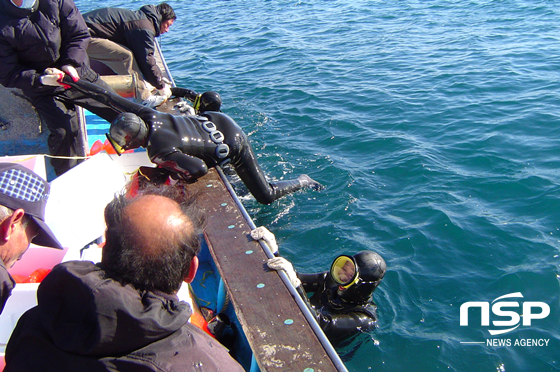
[434, 126]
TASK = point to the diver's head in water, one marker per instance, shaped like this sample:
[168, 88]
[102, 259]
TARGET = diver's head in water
[208, 101]
[357, 276]
[128, 131]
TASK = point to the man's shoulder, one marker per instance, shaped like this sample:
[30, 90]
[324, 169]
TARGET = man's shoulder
[81, 264]
[71, 272]
[193, 345]
[111, 15]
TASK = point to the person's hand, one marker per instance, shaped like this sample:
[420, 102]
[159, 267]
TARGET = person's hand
[71, 71]
[53, 76]
[263, 233]
[165, 91]
[159, 97]
[184, 107]
[280, 263]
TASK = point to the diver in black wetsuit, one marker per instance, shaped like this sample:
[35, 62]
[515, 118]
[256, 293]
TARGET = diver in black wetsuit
[343, 297]
[189, 145]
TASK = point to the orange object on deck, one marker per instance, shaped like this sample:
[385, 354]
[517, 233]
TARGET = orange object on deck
[96, 148]
[99, 146]
[36, 276]
[198, 320]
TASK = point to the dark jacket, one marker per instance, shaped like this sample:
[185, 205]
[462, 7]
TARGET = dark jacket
[87, 322]
[136, 30]
[7, 284]
[51, 34]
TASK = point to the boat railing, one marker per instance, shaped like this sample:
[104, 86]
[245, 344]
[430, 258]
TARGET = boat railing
[331, 352]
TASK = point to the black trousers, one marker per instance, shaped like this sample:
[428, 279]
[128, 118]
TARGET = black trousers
[58, 112]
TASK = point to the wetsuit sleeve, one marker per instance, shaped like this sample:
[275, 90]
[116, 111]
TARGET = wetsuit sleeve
[311, 282]
[185, 166]
[107, 97]
[342, 326]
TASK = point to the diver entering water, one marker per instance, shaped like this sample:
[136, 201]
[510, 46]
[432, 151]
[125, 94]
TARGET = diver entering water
[342, 298]
[189, 145]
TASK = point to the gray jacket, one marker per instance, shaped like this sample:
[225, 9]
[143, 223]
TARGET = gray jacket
[135, 30]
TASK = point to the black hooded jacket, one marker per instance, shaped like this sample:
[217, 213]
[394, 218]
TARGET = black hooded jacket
[135, 30]
[50, 34]
[87, 322]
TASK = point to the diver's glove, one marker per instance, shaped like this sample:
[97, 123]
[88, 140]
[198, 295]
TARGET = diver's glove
[153, 101]
[165, 91]
[263, 233]
[159, 97]
[185, 108]
[280, 263]
[53, 76]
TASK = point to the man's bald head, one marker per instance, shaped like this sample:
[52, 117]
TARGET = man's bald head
[151, 239]
[156, 223]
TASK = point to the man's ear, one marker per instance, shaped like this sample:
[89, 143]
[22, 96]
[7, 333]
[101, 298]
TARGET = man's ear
[192, 270]
[8, 225]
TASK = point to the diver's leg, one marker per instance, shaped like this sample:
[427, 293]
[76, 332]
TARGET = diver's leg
[246, 166]
[84, 100]
[249, 171]
[95, 95]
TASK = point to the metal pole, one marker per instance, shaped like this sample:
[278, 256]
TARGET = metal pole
[302, 305]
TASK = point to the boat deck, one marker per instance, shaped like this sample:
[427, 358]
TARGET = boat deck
[277, 331]
[281, 335]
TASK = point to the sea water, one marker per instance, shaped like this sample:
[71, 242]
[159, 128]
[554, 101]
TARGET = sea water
[434, 126]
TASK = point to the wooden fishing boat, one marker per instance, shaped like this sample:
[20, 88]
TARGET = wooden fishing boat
[267, 325]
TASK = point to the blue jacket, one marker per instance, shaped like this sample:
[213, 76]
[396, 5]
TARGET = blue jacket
[135, 30]
[51, 34]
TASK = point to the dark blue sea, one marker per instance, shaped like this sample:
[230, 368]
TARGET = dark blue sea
[435, 127]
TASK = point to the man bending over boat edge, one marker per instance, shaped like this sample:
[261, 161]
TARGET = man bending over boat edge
[23, 198]
[188, 145]
[123, 314]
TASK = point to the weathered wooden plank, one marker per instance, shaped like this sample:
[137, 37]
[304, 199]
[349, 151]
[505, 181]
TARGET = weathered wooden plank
[279, 334]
